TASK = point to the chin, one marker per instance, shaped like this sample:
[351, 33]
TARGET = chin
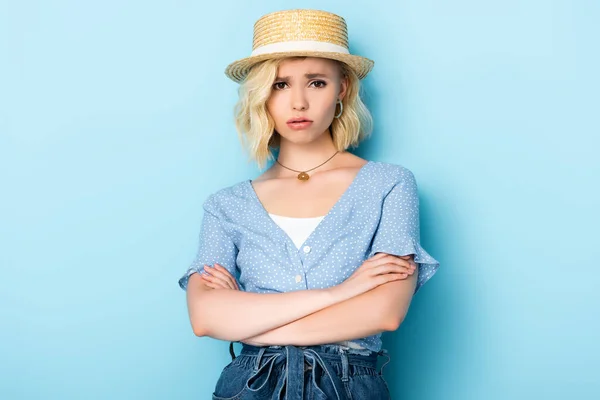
[299, 138]
[294, 135]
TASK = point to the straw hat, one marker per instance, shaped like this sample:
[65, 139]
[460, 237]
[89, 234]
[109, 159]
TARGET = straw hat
[299, 33]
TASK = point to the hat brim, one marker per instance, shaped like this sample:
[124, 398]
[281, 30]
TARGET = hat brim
[238, 70]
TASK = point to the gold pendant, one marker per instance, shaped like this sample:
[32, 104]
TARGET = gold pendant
[303, 176]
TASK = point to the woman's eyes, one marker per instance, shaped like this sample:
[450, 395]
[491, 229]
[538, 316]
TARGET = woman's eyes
[318, 85]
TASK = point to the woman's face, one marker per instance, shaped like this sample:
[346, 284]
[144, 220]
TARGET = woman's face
[305, 89]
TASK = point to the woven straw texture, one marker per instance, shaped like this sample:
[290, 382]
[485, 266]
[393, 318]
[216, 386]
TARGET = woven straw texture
[299, 25]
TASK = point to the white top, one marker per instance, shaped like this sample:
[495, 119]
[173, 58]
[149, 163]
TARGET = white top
[299, 229]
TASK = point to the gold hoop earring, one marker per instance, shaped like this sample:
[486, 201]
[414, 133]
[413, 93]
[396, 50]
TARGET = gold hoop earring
[341, 109]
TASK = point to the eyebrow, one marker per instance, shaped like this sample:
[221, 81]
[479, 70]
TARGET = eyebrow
[309, 76]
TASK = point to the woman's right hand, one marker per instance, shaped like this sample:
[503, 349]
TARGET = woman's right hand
[375, 271]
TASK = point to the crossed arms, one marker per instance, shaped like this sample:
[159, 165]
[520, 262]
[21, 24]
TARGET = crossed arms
[301, 318]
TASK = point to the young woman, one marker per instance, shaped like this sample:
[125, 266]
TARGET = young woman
[310, 262]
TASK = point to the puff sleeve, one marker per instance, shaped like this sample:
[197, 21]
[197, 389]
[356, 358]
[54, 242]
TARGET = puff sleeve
[214, 245]
[398, 232]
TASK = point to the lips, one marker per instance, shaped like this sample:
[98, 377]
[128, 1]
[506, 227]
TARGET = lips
[300, 119]
[299, 124]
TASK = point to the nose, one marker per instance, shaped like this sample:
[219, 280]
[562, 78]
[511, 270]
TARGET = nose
[299, 100]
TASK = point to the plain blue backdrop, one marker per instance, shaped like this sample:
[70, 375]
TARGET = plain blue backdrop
[116, 124]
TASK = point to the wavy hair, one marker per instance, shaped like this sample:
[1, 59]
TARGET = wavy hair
[256, 127]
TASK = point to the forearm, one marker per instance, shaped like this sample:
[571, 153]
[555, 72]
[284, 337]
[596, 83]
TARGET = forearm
[232, 315]
[347, 320]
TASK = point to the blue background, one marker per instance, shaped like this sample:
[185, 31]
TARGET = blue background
[116, 124]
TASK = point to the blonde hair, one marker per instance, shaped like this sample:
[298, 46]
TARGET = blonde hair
[256, 128]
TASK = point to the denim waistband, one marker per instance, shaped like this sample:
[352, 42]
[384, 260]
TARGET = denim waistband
[331, 352]
[297, 360]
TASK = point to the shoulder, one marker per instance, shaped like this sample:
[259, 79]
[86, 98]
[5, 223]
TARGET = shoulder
[227, 199]
[392, 173]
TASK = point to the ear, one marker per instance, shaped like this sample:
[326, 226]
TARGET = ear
[343, 87]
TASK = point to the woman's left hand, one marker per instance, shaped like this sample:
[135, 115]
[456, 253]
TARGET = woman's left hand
[218, 278]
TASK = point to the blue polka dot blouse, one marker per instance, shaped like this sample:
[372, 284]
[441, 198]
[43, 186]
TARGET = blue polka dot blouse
[378, 212]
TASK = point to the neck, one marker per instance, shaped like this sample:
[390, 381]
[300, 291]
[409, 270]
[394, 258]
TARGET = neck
[305, 156]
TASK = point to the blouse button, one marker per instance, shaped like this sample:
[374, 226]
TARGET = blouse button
[306, 249]
[298, 278]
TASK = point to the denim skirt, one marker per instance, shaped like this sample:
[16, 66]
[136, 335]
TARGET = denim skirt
[319, 372]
